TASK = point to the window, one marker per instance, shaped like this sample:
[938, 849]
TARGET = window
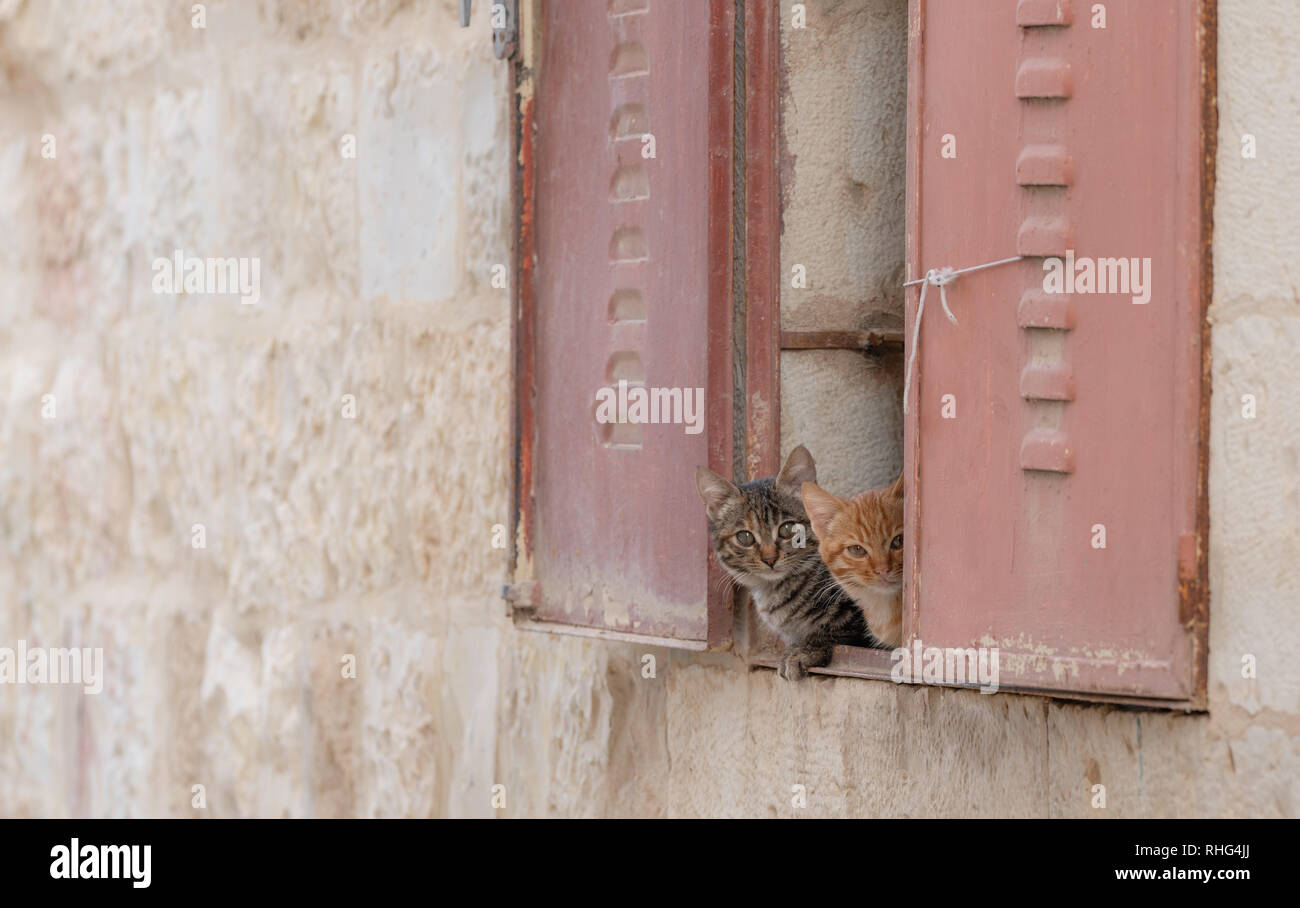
[1055, 444]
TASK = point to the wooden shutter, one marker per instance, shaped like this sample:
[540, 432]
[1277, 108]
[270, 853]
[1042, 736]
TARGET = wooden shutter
[1073, 412]
[624, 272]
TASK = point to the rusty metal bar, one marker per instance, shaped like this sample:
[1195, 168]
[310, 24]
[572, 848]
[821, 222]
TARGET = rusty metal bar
[866, 341]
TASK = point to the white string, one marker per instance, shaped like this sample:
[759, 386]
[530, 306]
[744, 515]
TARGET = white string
[939, 277]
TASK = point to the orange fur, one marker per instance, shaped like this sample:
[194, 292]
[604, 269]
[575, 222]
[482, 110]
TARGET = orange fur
[856, 538]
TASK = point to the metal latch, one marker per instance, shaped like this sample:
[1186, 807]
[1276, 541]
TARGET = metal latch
[522, 598]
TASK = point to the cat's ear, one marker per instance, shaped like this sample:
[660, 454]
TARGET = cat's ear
[714, 491]
[896, 490]
[798, 469]
[821, 507]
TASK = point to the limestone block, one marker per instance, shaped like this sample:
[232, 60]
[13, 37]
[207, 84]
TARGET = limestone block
[283, 779]
[294, 198]
[706, 744]
[454, 462]
[230, 698]
[405, 756]
[484, 183]
[18, 156]
[1090, 746]
[337, 763]
[317, 503]
[848, 409]
[467, 713]
[855, 748]
[1265, 767]
[27, 377]
[175, 405]
[1255, 511]
[35, 764]
[183, 618]
[581, 732]
[75, 489]
[408, 153]
[1155, 764]
[65, 41]
[1256, 245]
[842, 169]
[183, 183]
[115, 739]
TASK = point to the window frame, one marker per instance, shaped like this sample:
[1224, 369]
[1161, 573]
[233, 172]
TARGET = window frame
[752, 448]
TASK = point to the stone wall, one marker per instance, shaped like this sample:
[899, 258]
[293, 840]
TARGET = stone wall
[324, 535]
[371, 536]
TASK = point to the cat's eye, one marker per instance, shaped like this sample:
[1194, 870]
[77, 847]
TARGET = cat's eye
[857, 551]
[745, 537]
[897, 542]
[787, 529]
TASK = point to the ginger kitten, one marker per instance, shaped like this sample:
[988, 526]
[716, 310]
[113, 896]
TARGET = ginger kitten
[861, 541]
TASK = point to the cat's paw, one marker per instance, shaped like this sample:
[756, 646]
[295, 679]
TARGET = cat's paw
[796, 661]
[792, 666]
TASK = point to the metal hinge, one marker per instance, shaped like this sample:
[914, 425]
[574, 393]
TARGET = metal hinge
[522, 598]
[505, 26]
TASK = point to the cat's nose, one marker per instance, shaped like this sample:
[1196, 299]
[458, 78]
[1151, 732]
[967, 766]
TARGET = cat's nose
[769, 558]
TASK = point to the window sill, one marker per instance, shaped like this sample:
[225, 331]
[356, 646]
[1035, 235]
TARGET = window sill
[878, 665]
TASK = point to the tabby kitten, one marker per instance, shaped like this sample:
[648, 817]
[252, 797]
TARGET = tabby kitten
[862, 545]
[755, 528]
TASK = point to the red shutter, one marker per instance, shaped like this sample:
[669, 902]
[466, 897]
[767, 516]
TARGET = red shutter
[1078, 411]
[630, 280]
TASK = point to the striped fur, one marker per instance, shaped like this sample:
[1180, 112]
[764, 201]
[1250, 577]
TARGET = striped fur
[791, 588]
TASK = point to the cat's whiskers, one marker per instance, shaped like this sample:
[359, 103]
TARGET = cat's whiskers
[829, 585]
[725, 582]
